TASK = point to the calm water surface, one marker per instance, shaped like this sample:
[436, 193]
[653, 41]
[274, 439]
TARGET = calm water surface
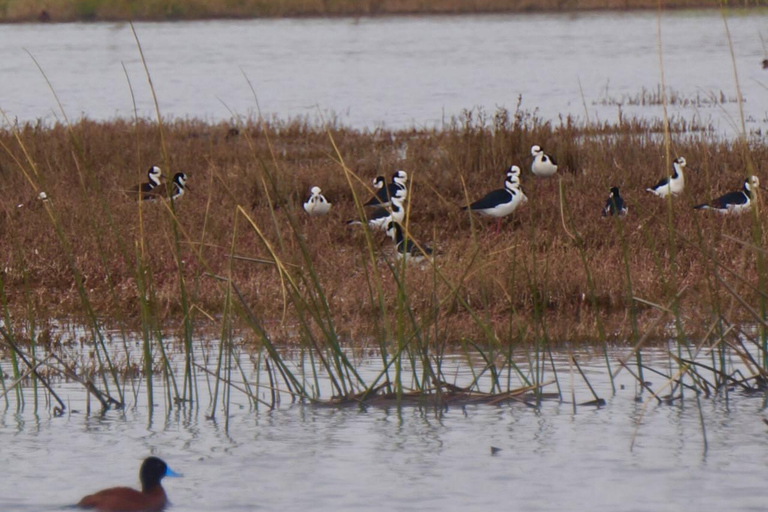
[300, 458]
[397, 72]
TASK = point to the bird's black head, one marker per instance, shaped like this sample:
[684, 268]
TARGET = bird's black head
[152, 471]
[615, 191]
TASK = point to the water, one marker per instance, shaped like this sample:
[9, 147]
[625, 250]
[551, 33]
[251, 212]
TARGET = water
[300, 457]
[394, 72]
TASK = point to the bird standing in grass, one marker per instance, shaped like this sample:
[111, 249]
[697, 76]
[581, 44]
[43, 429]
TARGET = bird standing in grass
[406, 248]
[316, 204]
[671, 184]
[154, 178]
[383, 215]
[615, 204]
[734, 203]
[177, 189]
[502, 202]
[385, 193]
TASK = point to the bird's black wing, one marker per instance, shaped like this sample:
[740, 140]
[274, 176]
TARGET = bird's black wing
[661, 183]
[734, 198]
[492, 199]
[382, 196]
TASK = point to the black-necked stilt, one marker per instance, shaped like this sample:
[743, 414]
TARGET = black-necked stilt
[154, 177]
[175, 190]
[734, 202]
[382, 197]
[502, 202]
[671, 184]
[383, 215]
[316, 204]
[543, 165]
[615, 204]
[406, 248]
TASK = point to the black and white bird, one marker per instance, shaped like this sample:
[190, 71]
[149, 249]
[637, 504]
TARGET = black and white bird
[734, 202]
[383, 215]
[154, 178]
[543, 165]
[502, 202]
[174, 191]
[385, 193]
[406, 248]
[316, 204]
[671, 184]
[615, 204]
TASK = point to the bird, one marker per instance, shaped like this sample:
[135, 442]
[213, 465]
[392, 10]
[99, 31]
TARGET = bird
[502, 202]
[615, 204]
[671, 184]
[154, 177]
[151, 498]
[384, 193]
[542, 165]
[177, 188]
[406, 248]
[383, 215]
[733, 202]
[316, 204]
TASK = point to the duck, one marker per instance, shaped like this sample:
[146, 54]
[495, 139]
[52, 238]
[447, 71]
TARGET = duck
[502, 202]
[407, 249]
[151, 498]
[385, 193]
[154, 178]
[671, 184]
[316, 204]
[734, 203]
[543, 165]
[615, 204]
[178, 187]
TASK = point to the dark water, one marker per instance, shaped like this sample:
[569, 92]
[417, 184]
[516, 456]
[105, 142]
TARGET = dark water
[299, 457]
[397, 72]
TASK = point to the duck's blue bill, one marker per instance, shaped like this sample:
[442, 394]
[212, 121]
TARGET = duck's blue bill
[172, 473]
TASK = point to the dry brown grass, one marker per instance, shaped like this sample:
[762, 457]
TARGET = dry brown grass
[527, 280]
[113, 10]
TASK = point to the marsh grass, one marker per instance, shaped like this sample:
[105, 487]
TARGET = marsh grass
[239, 255]
[657, 97]
[125, 10]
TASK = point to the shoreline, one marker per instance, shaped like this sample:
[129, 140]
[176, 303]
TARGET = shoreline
[70, 11]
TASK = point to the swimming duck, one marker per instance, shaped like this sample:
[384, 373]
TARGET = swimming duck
[151, 498]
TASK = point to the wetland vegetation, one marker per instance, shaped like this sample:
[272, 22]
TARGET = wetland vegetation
[239, 256]
[158, 10]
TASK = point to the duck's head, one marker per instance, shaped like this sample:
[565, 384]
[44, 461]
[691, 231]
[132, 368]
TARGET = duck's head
[535, 150]
[152, 471]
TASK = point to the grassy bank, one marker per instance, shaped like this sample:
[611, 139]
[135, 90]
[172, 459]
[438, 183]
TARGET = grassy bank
[158, 10]
[557, 270]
